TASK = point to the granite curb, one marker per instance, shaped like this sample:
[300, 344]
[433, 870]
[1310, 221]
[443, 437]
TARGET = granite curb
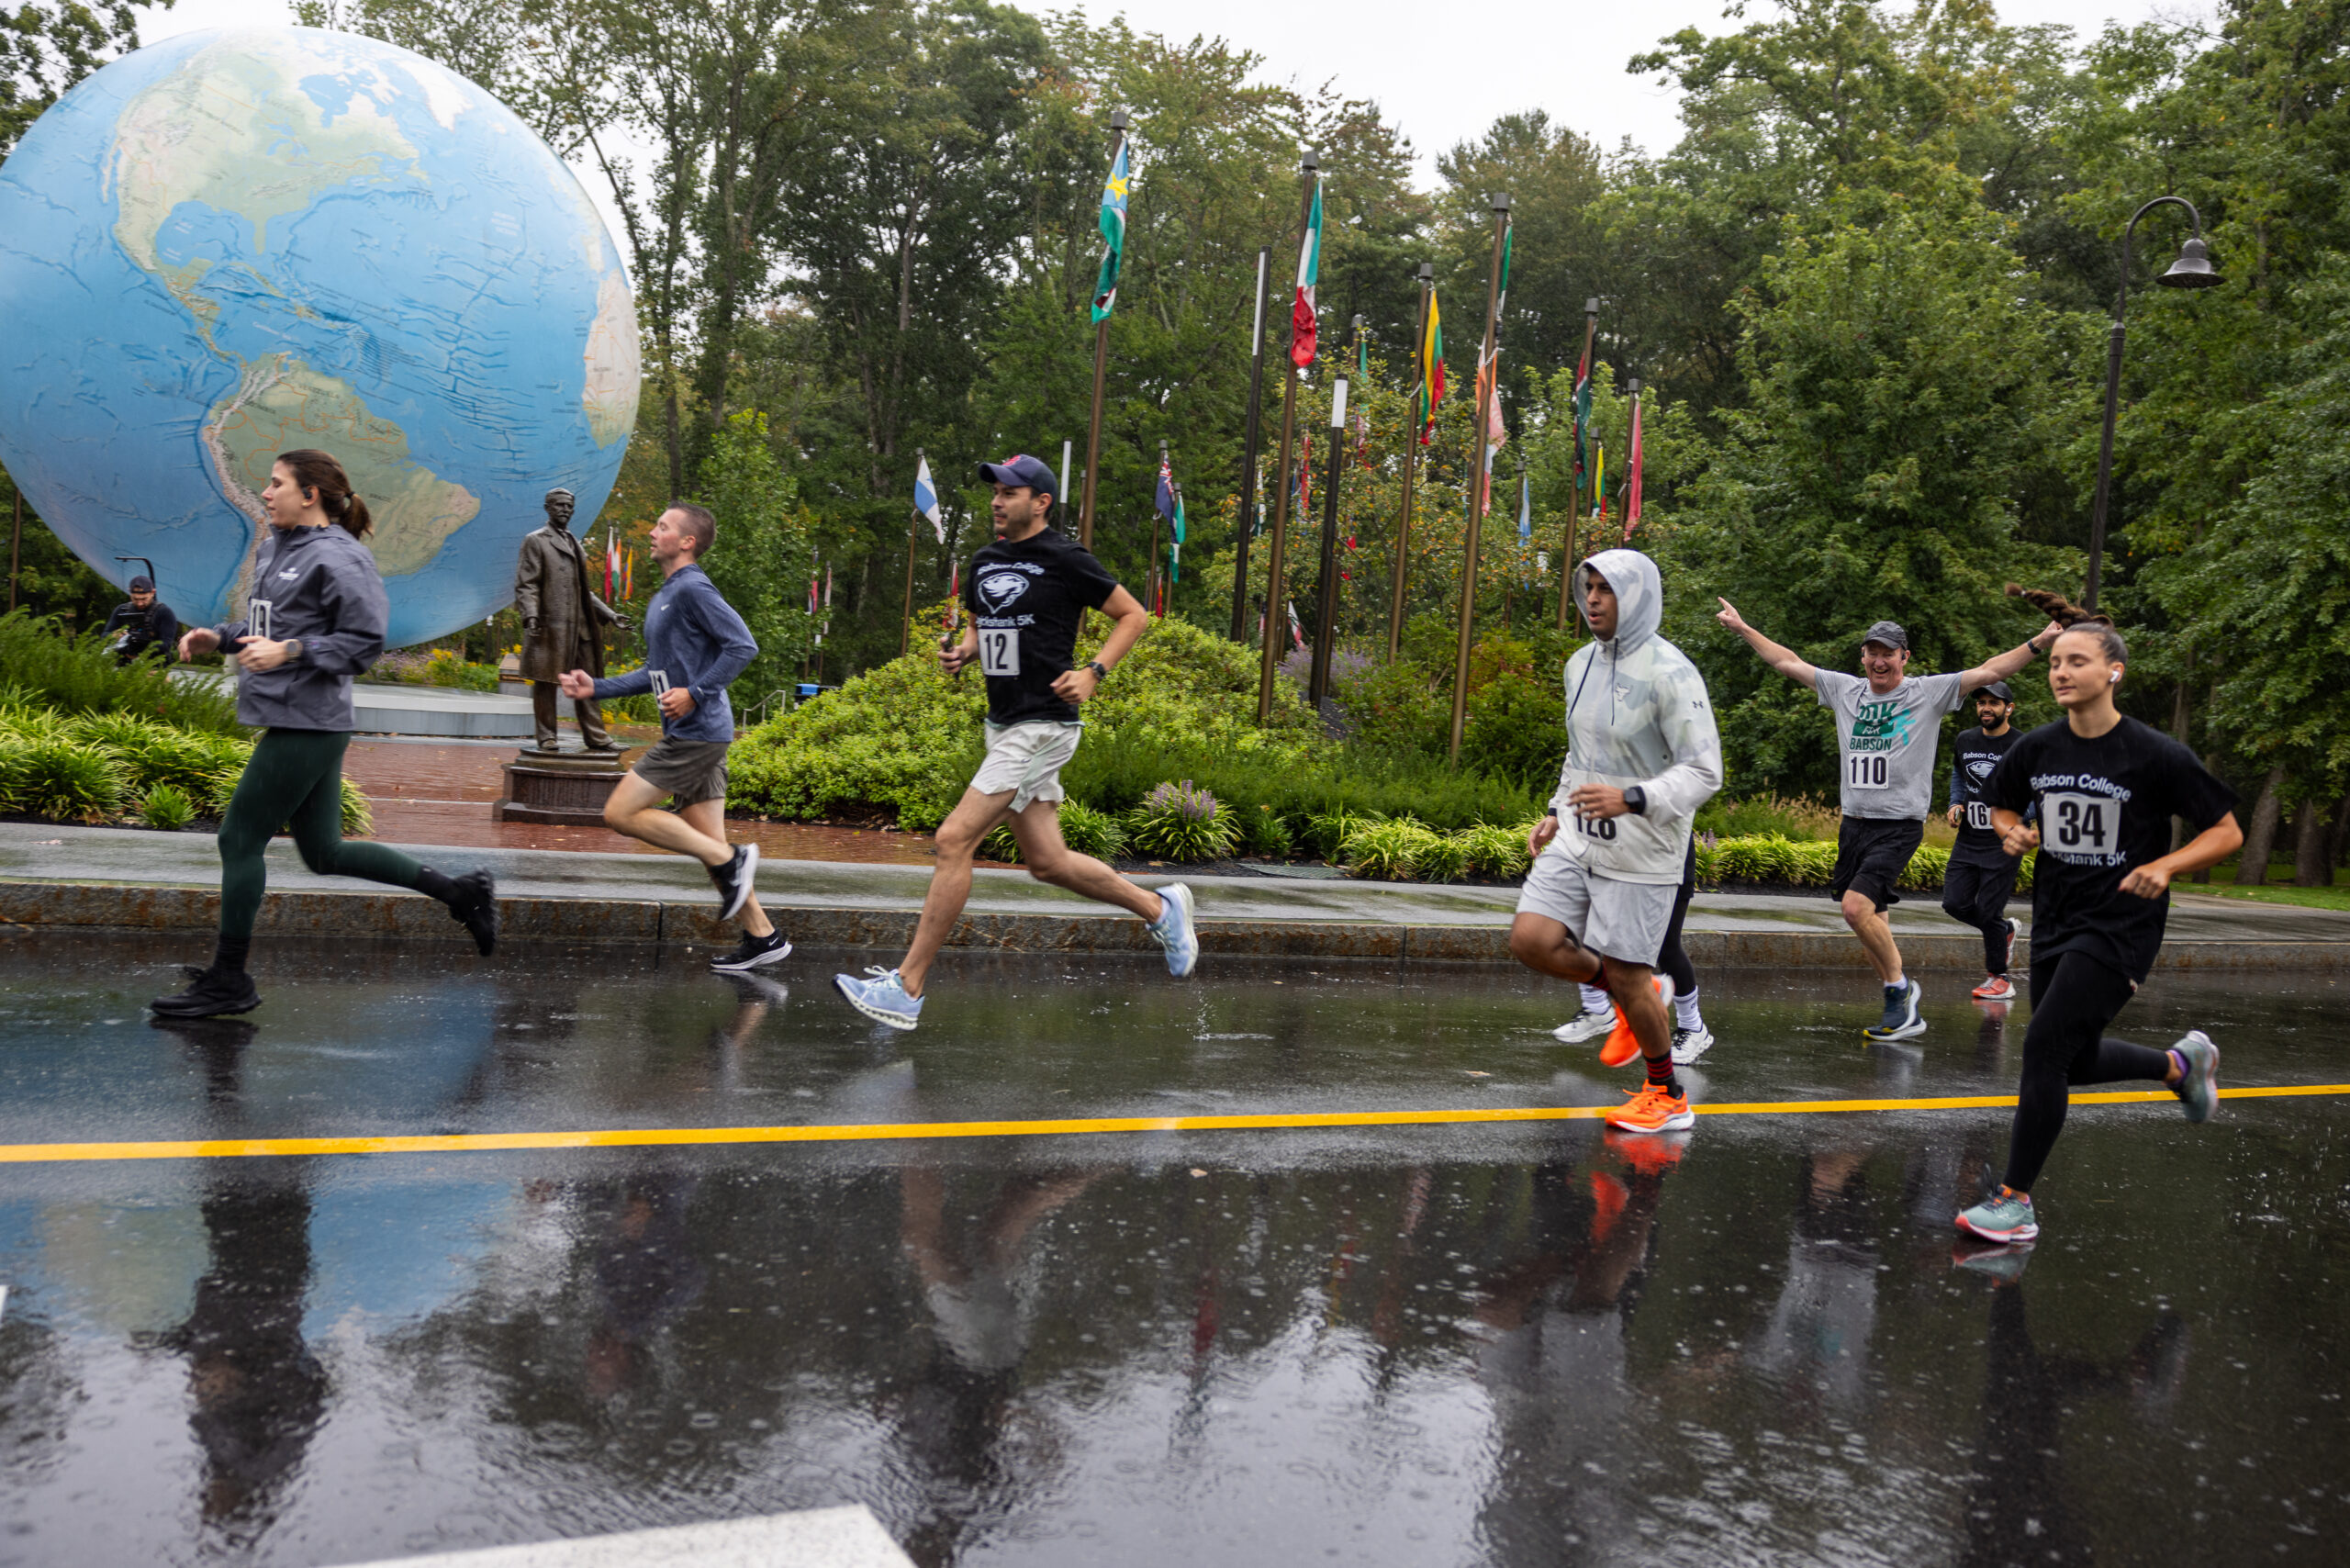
[303, 913]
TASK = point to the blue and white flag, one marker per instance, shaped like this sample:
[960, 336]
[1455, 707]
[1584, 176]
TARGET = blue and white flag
[1525, 510]
[926, 500]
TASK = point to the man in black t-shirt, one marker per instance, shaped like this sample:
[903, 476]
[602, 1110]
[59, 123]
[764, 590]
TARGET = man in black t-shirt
[145, 625]
[1982, 875]
[1027, 592]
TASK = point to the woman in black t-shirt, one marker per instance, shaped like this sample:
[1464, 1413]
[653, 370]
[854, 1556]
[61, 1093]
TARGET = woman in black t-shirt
[2107, 787]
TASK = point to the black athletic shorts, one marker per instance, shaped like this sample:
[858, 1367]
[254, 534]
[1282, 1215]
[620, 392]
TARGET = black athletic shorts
[1872, 852]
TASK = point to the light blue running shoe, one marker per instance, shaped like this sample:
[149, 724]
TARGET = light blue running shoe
[2200, 1090]
[2004, 1216]
[882, 997]
[1173, 931]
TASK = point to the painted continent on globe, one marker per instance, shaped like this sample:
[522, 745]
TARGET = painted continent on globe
[235, 244]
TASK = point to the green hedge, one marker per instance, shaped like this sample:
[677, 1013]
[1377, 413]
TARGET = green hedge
[96, 768]
[1811, 863]
[43, 666]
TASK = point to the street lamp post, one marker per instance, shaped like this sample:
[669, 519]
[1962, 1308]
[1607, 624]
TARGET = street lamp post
[2192, 269]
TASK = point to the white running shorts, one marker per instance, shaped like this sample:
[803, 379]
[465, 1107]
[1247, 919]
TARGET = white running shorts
[1027, 759]
[1623, 921]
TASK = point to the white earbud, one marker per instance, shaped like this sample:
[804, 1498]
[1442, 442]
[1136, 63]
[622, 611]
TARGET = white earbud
[2112, 677]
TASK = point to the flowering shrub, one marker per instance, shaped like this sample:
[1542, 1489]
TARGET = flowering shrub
[1176, 822]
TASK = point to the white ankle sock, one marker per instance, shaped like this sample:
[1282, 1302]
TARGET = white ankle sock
[1595, 999]
[1684, 1008]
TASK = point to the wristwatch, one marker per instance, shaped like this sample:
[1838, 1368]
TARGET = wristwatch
[1099, 673]
[1635, 800]
[293, 650]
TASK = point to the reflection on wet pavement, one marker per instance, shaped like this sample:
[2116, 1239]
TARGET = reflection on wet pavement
[1517, 1344]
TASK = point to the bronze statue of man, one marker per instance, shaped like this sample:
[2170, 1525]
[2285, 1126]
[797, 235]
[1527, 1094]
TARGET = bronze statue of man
[563, 622]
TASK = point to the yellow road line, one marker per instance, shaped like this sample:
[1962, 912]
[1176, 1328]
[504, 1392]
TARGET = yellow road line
[886, 1132]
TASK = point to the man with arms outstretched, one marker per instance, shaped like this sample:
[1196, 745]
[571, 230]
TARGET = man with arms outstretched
[1887, 723]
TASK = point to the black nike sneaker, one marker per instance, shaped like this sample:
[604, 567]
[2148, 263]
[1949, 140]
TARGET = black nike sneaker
[211, 994]
[734, 879]
[475, 906]
[753, 953]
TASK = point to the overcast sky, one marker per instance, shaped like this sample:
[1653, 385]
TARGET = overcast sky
[1442, 82]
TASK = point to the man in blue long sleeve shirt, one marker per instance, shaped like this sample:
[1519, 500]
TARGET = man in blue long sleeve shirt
[695, 647]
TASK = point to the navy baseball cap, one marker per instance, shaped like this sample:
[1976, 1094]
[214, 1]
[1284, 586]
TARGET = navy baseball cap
[142, 584]
[1997, 689]
[1022, 469]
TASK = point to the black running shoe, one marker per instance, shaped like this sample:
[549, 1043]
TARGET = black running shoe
[734, 879]
[753, 953]
[211, 994]
[475, 907]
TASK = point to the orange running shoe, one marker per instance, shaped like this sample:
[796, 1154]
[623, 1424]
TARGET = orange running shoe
[1622, 1046]
[1608, 1198]
[1649, 1154]
[1653, 1110]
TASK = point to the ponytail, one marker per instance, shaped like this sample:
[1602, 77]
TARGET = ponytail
[2073, 618]
[316, 470]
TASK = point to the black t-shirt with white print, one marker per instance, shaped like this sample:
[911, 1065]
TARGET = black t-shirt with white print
[2105, 807]
[1975, 757]
[1028, 599]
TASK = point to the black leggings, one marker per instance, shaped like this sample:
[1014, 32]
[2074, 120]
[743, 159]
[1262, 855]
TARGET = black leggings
[1977, 896]
[1672, 958]
[294, 778]
[2074, 997]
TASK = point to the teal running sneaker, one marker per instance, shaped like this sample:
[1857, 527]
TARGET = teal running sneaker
[1173, 931]
[2198, 1092]
[882, 997]
[2004, 1216]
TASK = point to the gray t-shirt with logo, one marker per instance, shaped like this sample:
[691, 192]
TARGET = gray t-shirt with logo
[1884, 745]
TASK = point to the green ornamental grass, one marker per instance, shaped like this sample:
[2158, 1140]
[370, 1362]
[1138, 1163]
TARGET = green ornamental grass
[1182, 822]
[167, 807]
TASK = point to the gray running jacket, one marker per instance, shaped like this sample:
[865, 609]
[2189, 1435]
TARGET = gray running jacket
[1637, 714]
[322, 588]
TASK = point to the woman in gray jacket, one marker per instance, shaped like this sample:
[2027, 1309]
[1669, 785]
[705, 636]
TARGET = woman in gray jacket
[316, 619]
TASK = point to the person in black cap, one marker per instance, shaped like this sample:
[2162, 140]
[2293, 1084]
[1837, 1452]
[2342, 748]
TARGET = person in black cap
[1887, 723]
[1027, 592]
[1982, 874]
[145, 625]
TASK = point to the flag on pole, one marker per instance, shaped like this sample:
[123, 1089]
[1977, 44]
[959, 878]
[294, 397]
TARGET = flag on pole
[1114, 235]
[611, 560]
[1175, 546]
[1301, 320]
[1163, 500]
[1582, 417]
[1598, 478]
[627, 585]
[1525, 510]
[1363, 358]
[926, 500]
[1632, 480]
[1431, 371]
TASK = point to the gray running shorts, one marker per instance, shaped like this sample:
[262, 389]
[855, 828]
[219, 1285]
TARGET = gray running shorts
[1623, 921]
[689, 771]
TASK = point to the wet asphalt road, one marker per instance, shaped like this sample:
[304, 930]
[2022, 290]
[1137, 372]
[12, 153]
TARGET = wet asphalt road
[1511, 1344]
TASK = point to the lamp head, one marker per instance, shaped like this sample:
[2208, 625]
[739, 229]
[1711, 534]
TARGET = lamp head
[2193, 269]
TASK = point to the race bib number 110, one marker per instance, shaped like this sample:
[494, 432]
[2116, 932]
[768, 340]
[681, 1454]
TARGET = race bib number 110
[999, 652]
[1868, 771]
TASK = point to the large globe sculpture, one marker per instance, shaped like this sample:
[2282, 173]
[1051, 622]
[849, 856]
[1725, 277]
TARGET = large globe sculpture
[238, 243]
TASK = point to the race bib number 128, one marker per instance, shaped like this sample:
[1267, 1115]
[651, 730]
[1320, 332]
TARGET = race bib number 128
[999, 652]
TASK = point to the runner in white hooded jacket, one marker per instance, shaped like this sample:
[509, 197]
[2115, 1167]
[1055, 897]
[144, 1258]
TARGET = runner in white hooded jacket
[1642, 755]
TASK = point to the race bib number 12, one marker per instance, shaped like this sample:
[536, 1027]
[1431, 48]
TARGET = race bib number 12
[999, 652]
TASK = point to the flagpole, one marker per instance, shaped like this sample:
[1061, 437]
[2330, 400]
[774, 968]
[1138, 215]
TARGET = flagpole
[1101, 365]
[906, 623]
[1274, 598]
[1399, 570]
[1574, 505]
[1249, 451]
[1488, 387]
[1632, 460]
[1325, 611]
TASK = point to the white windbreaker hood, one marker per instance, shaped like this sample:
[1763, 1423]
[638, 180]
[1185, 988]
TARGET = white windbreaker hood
[1637, 714]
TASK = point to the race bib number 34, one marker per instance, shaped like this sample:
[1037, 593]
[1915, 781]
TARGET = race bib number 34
[2080, 826]
[999, 652]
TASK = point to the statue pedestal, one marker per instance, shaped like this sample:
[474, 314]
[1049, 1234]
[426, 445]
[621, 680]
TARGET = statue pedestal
[561, 788]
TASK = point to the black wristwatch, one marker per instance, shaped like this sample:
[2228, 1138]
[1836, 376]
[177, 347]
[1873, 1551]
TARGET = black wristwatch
[293, 650]
[1099, 673]
[1635, 800]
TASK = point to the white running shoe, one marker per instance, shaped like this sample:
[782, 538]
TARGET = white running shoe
[1688, 1044]
[1173, 929]
[1586, 1026]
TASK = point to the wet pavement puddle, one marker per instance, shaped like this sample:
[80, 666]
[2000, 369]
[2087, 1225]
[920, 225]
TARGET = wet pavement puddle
[1495, 1341]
